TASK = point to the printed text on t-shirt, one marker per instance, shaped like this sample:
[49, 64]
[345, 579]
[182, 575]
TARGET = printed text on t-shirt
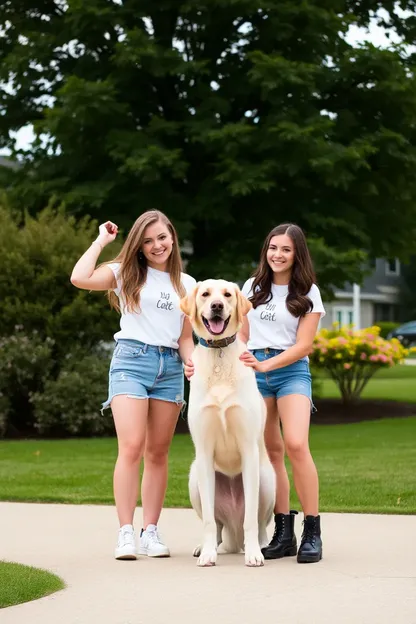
[164, 303]
[268, 313]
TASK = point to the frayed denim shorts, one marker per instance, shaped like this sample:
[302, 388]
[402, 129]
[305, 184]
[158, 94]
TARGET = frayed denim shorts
[292, 379]
[143, 371]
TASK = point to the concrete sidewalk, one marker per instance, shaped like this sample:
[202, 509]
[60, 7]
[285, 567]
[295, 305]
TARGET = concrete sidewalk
[368, 573]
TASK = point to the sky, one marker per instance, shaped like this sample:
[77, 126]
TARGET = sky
[375, 35]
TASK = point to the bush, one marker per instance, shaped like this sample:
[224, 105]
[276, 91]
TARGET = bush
[54, 317]
[353, 356]
[38, 255]
[4, 413]
[25, 363]
[386, 327]
[71, 404]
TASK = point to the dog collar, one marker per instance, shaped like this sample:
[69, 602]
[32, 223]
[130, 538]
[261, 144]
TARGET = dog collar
[218, 344]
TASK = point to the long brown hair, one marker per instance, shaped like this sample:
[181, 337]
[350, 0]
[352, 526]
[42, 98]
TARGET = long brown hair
[301, 279]
[133, 269]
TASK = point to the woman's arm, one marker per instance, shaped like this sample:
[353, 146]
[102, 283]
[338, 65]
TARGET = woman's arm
[305, 336]
[186, 342]
[244, 333]
[84, 274]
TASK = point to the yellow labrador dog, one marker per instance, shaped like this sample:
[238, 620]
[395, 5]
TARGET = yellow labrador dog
[231, 481]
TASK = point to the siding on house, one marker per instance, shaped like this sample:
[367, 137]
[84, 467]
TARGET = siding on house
[379, 297]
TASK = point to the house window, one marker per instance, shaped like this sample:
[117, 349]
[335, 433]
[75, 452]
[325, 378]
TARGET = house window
[386, 312]
[392, 267]
[343, 315]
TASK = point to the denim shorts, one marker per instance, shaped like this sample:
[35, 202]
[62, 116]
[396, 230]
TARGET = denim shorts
[143, 371]
[292, 379]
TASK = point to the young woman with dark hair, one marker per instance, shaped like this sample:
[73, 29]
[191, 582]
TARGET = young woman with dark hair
[279, 332]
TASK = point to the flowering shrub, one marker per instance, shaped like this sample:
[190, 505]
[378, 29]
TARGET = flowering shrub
[353, 356]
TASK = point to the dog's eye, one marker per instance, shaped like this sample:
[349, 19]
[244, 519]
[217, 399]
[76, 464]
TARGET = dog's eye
[227, 295]
[205, 294]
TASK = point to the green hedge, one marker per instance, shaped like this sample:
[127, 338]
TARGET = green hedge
[386, 327]
[46, 325]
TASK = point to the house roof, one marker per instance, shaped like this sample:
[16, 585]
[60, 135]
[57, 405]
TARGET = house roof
[381, 285]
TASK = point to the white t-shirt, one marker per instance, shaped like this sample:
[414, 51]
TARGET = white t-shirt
[159, 321]
[271, 324]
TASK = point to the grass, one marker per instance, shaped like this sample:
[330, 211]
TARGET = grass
[363, 467]
[401, 371]
[378, 389]
[390, 384]
[20, 583]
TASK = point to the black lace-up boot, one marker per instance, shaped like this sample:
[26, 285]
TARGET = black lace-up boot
[310, 549]
[283, 543]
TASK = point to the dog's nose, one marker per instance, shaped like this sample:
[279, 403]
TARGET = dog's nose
[217, 306]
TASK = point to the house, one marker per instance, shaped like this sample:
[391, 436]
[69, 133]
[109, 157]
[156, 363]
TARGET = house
[377, 299]
[7, 163]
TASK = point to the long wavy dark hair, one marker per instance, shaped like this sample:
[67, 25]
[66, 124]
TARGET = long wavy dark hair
[301, 279]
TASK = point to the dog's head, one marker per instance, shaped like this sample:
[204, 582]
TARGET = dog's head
[216, 309]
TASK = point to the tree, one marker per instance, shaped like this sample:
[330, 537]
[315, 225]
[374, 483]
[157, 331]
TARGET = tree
[230, 115]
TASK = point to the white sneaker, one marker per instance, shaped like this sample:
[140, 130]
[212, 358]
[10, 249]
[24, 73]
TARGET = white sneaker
[151, 543]
[126, 544]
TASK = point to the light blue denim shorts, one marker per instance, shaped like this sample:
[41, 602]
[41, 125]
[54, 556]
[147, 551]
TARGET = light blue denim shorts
[143, 371]
[293, 379]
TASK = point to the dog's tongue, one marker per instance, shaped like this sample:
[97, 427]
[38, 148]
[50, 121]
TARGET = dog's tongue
[216, 325]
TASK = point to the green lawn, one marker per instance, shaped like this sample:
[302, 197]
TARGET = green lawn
[383, 389]
[394, 384]
[401, 371]
[364, 467]
[20, 583]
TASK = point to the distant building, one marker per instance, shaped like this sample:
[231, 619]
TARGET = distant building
[378, 299]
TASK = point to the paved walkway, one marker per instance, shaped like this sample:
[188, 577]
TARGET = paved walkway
[368, 573]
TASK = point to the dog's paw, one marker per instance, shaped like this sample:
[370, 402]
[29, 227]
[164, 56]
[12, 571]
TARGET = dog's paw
[197, 551]
[253, 557]
[207, 558]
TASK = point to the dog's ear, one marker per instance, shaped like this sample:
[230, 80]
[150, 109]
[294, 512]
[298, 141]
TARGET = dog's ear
[188, 303]
[243, 306]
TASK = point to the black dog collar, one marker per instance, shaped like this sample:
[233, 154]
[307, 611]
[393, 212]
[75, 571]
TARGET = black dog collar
[218, 344]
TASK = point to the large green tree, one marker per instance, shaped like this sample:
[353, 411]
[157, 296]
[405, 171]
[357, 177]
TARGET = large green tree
[230, 115]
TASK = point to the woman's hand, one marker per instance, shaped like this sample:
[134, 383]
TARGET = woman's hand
[189, 369]
[107, 233]
[248, 359]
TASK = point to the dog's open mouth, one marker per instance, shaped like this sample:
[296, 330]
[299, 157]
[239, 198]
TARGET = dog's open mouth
[216, 325]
